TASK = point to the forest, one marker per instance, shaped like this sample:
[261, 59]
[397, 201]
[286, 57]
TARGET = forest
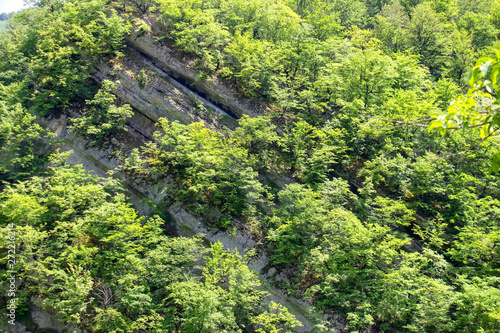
[366, 170]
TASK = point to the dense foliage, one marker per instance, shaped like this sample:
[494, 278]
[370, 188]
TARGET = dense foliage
[362, 208]
[88, 256]
[383, 215]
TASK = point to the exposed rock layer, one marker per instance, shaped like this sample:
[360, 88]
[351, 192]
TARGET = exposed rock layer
[163, 58]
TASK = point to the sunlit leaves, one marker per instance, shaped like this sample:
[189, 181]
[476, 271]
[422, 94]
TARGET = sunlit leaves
[66, 48]
[208, 168]
[277, 319]
[104, 117]
[479, 107]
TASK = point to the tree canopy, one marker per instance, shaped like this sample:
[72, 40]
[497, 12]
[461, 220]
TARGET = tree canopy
[369, 178]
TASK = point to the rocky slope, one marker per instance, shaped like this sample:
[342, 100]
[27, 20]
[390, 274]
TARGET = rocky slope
[158, 85]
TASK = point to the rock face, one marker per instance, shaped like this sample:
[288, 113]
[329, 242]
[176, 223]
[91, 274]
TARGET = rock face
[46, 320]
[188, 225]
[163, 58]
[17, 328]
[153, 94]
[41, 321]
[165, 103]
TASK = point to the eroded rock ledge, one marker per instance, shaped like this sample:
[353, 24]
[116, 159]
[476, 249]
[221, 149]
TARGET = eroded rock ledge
[163, 58]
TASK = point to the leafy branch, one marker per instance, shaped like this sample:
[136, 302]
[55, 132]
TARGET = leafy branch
[479, 108]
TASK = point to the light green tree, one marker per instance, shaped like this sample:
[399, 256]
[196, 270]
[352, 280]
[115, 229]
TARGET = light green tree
[276, 320]
[104, 117]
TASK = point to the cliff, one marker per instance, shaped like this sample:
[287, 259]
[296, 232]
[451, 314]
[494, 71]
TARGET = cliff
[158, 85]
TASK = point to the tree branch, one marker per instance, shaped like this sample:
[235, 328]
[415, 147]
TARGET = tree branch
[413, 123]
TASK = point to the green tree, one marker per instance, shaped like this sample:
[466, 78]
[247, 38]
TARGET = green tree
[171, 262]
[23, 142]
[64, 45]
[324, 20]
[462, 54]
[369, 72]
[259, 136]
[103, 118]
[311, 152]
[428, 36]
[482, 30]
[276, 320]
[53, 5]
[479, 304]
[415, 301]
[202, 308]
[110, 320]
[350, 13]
[205, 38]
[375, 6]
[72, 288]
[392, 26]
[208, 168]
[409, 5]
[230, 272]
[495, 14]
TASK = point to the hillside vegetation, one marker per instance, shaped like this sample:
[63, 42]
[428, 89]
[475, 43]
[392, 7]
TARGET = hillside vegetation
[387, 212]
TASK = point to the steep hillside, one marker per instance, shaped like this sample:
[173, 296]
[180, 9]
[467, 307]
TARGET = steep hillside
[251, 166]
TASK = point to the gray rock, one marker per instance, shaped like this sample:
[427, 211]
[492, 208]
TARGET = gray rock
[281, 277]
[47, 320]
[162, 57]
[17, 328]
[152, 106]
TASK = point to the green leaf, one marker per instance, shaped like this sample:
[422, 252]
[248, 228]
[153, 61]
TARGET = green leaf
[495, 163]
[482, 61]
[485, 67]
[494, 76]
[474, 76]
[434, 124]
[484, 131]
[489, 88]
